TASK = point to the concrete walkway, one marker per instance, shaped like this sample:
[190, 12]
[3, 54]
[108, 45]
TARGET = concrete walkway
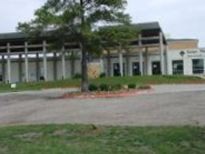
[164, 105]
[175, 88]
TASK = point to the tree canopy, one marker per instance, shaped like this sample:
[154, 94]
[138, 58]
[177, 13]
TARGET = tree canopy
[117, 36]
[78, 20]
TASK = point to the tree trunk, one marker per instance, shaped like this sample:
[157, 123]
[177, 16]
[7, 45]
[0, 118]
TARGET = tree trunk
[84, 67]
[84, 70]
[121, 60]
[127, 64]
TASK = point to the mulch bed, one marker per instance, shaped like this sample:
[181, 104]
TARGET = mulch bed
[110, 94]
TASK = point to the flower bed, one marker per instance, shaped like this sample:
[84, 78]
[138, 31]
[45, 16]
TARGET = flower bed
[109, 94]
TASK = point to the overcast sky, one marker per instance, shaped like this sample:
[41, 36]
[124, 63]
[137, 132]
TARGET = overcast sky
[178, 18]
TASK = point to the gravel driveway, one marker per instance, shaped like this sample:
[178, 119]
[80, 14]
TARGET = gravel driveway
[164, 105]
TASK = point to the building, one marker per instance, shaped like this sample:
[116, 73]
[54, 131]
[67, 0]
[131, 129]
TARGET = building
[150, 54]
[185, 57]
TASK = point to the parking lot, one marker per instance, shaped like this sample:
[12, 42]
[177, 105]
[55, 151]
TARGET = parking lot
[163, 105]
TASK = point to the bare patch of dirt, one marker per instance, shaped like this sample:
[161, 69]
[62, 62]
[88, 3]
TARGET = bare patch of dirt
[62, 132]
[29, 136]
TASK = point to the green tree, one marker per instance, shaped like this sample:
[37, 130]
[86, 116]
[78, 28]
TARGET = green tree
[75, 20]
[117, 38]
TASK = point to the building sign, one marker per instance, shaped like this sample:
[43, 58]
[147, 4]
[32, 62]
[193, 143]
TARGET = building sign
[192, 51]
[202, 51]
[195, 53]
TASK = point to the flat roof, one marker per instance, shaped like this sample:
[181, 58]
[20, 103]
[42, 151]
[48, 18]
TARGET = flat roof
[183, 39]
[12, 35]
[148, 30]
[148, 25]
[142, 26]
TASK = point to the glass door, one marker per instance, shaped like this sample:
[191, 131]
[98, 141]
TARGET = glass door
[156, 68]
[135, 68]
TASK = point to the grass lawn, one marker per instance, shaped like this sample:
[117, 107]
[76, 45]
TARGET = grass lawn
[150, 80]
[88, 139]
[112, 80]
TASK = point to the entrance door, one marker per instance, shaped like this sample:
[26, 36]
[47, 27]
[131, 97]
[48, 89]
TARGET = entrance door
[116, 69]
[178, 67]
[135, 68]
[156, 68]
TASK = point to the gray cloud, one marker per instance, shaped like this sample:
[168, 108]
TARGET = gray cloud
[178, 18]
[14, 11]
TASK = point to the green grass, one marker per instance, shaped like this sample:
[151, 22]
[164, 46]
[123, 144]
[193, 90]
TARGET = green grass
[112, 81]
[88, 139]
[40, 85]
[149, 80]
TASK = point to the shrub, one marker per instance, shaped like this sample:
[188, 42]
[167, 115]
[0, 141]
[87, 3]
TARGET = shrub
[104, 87]
[77, 76]
[116, 87]
[132, 86]
[93, 87]
[102, 75]
[144, 87]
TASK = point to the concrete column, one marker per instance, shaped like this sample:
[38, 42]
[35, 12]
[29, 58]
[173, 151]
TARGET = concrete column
[55, 66]
[20, 67]
[141, 55]
[26, 62]
[37, 67]
[146, 61]
[3, 68]
[45, 71]
[141, 63]
[121, 63]
[72, 63]
[8, 63]
[166, 60]
[63, 63]
[162, 54]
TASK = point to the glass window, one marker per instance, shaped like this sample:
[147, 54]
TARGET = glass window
[198, 66]
[178, 67]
